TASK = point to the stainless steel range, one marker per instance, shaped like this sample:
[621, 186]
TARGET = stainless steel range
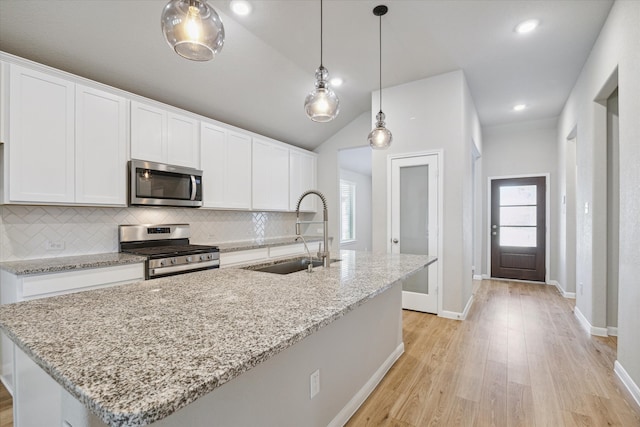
[167, 249]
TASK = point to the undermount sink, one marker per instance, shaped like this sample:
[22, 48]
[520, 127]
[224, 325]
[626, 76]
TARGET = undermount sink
[287, 267]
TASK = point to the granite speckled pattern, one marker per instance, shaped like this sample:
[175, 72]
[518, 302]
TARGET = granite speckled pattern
[51, 265]
[244, 245]
[135, 354]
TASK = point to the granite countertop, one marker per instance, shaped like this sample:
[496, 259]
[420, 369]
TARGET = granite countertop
[134, 354]
[51, 265]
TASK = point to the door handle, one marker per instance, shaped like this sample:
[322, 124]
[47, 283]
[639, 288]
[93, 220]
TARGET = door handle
[494, 226]
[394, 240]
[193, 187]
[494, 233]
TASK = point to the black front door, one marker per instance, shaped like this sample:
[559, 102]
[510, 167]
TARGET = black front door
[518, 228]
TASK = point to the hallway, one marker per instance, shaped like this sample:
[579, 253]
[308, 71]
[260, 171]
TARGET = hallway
[520, 359]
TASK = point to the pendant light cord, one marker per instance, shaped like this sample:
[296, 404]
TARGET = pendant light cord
[380, 33]
[320, 33]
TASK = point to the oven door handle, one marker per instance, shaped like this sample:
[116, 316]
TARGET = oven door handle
[193, 187]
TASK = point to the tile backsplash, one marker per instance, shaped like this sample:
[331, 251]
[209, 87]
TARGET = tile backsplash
[28, 232]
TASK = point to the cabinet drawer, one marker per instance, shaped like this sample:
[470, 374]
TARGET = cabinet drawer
[228, 259]
[45, 285]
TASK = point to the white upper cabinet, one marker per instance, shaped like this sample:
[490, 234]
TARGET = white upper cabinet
[101, 144]
[270, 176]
[67, 142]
[183, 141]
[302, 177]
[148, 133]
[41, 137]
[159, 135]
[226, 167]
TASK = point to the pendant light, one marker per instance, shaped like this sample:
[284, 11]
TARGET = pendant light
[322, 105]
[193, 29]
[380, 137]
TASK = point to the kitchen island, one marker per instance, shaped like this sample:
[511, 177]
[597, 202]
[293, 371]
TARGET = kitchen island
[171, 351]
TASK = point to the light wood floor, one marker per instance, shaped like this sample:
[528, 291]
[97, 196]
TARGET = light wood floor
[520, 359]
[6, 415]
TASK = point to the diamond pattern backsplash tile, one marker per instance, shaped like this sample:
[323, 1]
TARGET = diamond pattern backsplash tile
[26, 232]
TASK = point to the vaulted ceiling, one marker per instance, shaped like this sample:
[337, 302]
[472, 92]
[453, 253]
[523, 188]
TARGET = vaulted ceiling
[266, 68]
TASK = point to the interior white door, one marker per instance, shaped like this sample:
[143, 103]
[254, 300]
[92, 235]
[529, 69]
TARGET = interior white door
[414, 225]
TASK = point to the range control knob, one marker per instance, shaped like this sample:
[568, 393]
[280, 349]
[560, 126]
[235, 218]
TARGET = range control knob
[163, 262]
[173, 260]
[189, 259]
[203, 257]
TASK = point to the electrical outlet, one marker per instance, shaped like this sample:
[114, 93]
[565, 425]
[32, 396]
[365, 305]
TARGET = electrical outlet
[314, 383]
[57, 245]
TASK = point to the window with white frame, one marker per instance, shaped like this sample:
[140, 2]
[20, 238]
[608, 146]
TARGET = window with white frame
[347, 211]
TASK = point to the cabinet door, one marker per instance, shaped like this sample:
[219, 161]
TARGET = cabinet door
[41, 137]
[101, 142]
[226, 168]
[270, 188]
[212, 159]
[302, 177]
[238, 180]
[148, 132]
[183, 141]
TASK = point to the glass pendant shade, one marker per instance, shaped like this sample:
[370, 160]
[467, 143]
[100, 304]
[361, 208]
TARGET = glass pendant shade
[380, 137]
[322, 105]
[193, 29]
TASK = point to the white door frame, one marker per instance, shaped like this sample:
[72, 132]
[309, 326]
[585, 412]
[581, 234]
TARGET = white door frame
[440, 161]
[547, 219]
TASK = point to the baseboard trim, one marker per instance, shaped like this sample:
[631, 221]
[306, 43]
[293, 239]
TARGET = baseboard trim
[356, 401]
[565, 294]
[612, 331]
[456, 315]
[627, 381]
[486, 277]
[599, 332]
[478, 277]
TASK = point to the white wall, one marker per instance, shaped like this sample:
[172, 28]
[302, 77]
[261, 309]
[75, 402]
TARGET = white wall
[351, 136]
[363, 210]
[525, 148]
[436, 113]
[617, 49]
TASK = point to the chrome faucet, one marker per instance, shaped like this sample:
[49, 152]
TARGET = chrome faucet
[326, 258]
[304, 242]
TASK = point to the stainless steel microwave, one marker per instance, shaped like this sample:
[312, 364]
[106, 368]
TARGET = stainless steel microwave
[159, 184]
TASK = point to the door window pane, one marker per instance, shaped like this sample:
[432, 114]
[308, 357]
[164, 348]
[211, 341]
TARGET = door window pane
[524, 237]
[414, 210]
[517, 195]
[518, 215]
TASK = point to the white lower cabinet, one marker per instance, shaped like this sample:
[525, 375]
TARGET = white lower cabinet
[226, 167]
[258, 255]
[40, 400]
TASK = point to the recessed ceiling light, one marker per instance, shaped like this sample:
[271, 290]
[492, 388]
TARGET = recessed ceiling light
[336, 81]
[527, 26]
[240, 7]
[519, 107]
